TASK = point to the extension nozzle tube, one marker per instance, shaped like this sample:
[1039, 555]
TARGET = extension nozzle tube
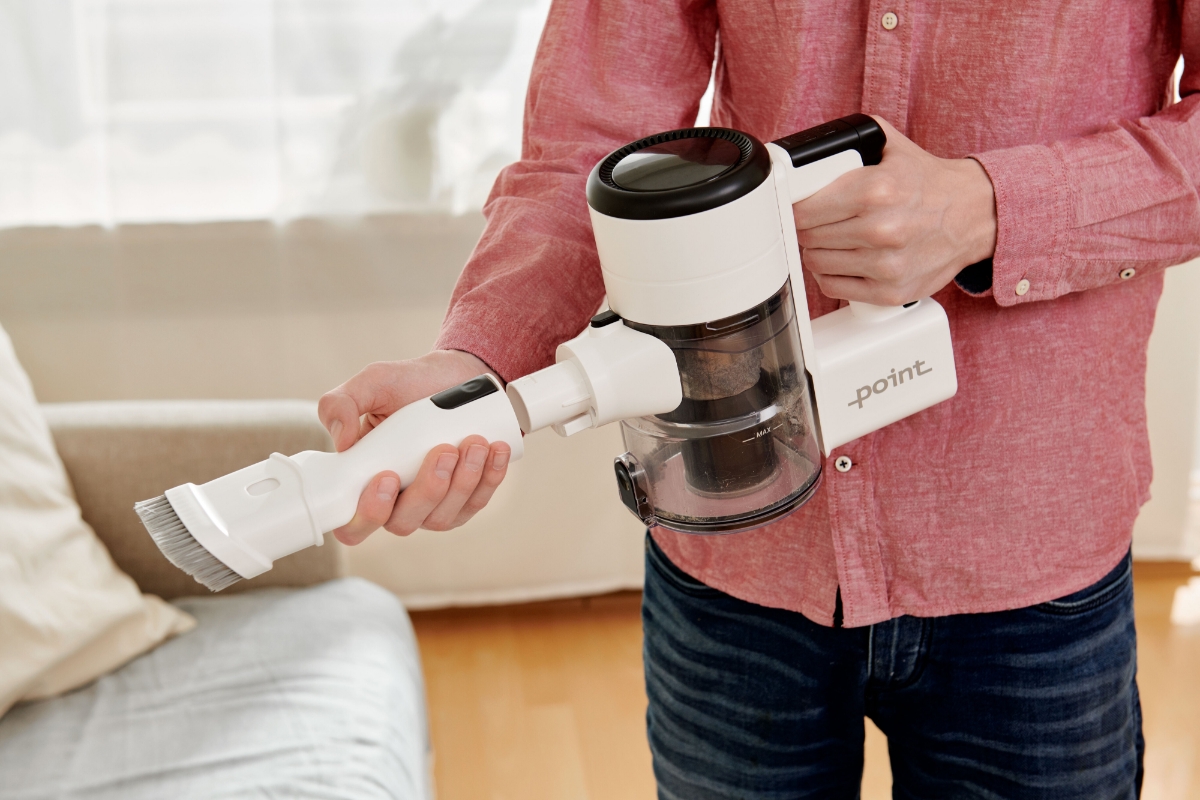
[551, 396]
[252, 517]
[607, 373]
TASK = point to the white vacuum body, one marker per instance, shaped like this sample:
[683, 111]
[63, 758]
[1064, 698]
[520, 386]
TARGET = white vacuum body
[727, 393]
[698, 251]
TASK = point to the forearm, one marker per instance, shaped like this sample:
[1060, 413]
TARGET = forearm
[605, 74]
[532, 282]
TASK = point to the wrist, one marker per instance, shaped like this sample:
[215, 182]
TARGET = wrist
[978, 205]
[466, 364]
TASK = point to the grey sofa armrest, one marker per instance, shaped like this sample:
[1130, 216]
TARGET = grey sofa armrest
[117, 453]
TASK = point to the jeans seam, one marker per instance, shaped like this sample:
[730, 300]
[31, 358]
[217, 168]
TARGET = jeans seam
[1103, 596]
[923, 644]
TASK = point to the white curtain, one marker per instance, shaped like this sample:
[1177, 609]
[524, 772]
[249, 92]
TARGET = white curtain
[116, 111]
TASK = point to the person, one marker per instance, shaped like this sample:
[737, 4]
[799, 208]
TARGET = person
[962, 577]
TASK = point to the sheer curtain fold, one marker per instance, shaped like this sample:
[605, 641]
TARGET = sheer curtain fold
[116, 111]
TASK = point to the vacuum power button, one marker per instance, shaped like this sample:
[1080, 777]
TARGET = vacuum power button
[464, 393]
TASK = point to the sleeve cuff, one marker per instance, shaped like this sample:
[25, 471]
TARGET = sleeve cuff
[1033, 206]
[496, 338]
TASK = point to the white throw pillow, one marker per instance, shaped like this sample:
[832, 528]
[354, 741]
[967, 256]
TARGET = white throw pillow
[67, 614]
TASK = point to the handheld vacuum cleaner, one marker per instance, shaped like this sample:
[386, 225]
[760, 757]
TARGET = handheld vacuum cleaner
[727, 393]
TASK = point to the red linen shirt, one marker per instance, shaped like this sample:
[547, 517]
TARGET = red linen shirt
[1025, 485]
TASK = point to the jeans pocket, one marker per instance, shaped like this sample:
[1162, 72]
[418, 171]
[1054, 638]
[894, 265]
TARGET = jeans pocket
[672, 574]
[1092, 597]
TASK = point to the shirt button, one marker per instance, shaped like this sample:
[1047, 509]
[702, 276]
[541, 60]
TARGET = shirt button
[1126, 274]
[843, 464]
[890, 21]
[1022, 287]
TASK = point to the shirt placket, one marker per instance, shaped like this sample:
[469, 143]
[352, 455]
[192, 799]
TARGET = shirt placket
[853, 522]
[888, 50]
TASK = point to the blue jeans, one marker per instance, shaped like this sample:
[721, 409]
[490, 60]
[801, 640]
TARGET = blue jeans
[759, 703]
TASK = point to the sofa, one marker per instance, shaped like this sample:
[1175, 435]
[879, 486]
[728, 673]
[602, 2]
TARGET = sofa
[301, 683]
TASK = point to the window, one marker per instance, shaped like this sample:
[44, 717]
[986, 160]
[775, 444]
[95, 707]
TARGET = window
[116, 111]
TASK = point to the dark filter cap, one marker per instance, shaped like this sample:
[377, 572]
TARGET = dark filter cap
[677, 173]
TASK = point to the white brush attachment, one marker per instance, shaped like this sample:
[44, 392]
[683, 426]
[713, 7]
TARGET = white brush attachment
[180, 547]
[236, 526]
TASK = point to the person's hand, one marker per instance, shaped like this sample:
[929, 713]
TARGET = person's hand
[453, 482]
[898, 231]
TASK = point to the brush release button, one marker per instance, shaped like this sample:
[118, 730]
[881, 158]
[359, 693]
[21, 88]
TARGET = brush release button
[464, 393]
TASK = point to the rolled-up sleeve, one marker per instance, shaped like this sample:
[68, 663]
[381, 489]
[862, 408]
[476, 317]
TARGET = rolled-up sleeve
[606, 72]
[1104, 208]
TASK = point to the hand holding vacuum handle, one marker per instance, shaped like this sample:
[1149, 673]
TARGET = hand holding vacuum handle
[821, 155]
[893, 234]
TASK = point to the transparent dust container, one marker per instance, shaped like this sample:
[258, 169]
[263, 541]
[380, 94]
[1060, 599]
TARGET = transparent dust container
[741, 449]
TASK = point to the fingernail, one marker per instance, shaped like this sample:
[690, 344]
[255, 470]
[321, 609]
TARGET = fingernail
[500, 461]
[445, 465]
[476, 455]
[335, 430]
[388, 488]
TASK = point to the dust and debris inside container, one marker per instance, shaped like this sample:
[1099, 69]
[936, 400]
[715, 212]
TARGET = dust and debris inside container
[740, 450]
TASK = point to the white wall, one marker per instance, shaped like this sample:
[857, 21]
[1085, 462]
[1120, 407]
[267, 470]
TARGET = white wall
[1164, 529]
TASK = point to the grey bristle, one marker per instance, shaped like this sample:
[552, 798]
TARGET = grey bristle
[180, 547]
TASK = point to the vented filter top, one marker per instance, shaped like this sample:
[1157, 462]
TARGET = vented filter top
[678, 173]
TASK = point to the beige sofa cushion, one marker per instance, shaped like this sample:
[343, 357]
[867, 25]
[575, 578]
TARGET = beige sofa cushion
[67, 614]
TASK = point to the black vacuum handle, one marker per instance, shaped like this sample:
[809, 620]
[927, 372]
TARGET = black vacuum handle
[855, 132]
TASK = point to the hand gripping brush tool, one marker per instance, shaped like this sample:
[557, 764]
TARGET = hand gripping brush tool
[236, 526]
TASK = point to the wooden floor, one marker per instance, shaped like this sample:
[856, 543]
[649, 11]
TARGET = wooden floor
[1169, 683]
[546, 700]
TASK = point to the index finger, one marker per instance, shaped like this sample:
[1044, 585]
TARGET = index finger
[839, 201]
[372, 391]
